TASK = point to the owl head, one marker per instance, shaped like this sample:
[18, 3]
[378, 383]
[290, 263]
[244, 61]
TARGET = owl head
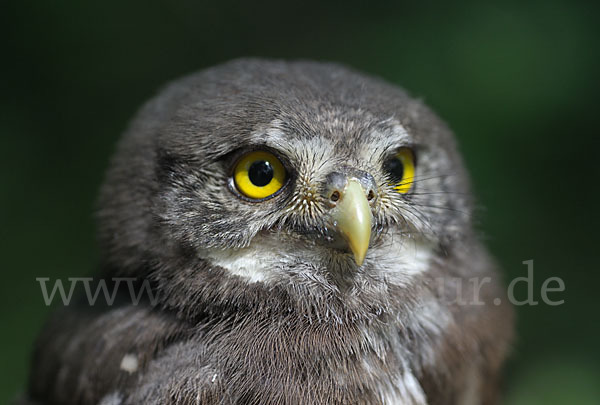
[299, 176]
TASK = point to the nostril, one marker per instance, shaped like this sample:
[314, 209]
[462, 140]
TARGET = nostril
[371, 195]
[335, 196]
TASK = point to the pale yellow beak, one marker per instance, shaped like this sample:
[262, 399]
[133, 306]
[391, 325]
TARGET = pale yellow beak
[352, 219]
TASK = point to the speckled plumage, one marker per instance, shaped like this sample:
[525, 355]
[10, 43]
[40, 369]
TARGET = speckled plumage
[254, 306]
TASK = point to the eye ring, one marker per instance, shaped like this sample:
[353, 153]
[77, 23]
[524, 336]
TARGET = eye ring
[258, 175]
[401, 170]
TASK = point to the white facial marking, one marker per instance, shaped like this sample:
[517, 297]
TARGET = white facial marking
[400, 258]
[268, 256]
[389, 135]
[250, 263]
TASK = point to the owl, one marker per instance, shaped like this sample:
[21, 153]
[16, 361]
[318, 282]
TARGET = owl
[294, 233]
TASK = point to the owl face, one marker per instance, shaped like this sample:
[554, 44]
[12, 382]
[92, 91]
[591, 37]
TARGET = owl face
[278, 172]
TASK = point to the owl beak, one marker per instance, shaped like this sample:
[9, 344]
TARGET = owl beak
[352, 219]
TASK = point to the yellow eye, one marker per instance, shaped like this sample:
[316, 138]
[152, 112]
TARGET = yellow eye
[401, 170]
[259, 174]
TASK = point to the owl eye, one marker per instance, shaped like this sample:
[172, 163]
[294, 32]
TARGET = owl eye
[401, 170]
[258, 175]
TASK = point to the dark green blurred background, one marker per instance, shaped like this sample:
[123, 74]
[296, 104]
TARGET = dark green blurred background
[517, 81]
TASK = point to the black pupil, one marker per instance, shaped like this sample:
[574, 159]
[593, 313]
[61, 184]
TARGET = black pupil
[395, 169]
[260, 173]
